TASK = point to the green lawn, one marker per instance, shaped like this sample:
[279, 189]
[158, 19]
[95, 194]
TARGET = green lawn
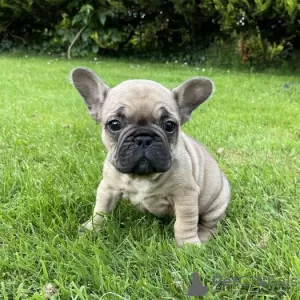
[51, 158]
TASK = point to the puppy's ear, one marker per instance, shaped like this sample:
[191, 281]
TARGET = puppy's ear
[190, 94]
[92, 89]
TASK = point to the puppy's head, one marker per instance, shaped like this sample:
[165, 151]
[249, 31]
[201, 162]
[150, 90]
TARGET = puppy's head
[141, 119]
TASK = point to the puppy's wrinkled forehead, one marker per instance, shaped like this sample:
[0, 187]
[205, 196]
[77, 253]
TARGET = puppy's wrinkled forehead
[139, 100]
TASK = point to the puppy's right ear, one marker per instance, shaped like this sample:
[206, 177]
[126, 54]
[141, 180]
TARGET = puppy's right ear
[92, 89]
[191, 94]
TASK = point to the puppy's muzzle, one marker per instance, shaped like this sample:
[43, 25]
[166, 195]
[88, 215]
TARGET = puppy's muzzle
[142, 151]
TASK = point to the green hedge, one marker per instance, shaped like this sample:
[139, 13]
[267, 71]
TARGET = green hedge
[259, 31]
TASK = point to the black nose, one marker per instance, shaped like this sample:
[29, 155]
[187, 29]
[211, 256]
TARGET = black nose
[143, 141]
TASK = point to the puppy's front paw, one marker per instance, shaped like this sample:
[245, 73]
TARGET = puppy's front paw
[90, 226]
[191, 241]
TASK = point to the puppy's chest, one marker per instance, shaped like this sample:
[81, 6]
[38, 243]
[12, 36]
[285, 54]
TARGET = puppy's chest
[148, 197]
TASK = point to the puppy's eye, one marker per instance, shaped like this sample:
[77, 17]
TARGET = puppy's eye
[169, 126]
[114, 125]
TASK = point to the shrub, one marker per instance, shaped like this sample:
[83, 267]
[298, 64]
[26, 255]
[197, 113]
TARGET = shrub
[261, 30]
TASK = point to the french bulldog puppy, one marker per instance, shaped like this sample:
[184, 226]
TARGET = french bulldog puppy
[150, 160]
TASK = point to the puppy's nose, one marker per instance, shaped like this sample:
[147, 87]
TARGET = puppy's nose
[143, 141]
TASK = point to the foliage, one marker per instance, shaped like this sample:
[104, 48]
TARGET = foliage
[262, 30]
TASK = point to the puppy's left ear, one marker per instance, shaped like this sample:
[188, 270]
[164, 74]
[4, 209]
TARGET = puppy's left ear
[190, 94]
[92, 89]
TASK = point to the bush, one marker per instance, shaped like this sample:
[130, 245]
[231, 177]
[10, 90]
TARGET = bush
[265, 30]
[261, 30]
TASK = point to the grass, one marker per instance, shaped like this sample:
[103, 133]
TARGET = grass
[50, 165]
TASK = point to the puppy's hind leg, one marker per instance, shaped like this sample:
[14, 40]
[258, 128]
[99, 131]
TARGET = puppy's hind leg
[208, 221]
[106, 201]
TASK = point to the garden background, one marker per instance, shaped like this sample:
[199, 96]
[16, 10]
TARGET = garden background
[227, 33]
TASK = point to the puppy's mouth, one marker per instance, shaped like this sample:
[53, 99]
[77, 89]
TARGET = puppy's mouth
[142, 151]
[143, 167]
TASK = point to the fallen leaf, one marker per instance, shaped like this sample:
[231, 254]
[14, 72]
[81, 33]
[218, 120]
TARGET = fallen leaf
[49, 290]
[264, 241]
[220, 151]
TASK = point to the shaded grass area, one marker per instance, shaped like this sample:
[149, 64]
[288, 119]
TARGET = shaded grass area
[50, 165]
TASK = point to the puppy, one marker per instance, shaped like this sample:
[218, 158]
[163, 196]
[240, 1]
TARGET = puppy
[150, 160]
